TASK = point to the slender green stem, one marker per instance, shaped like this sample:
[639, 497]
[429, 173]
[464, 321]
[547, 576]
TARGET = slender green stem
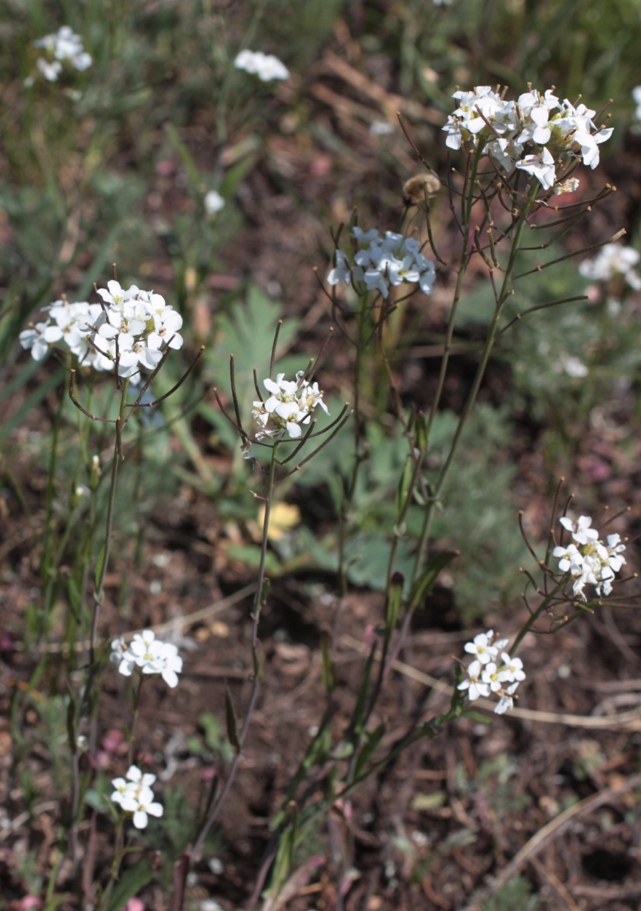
[502, 296]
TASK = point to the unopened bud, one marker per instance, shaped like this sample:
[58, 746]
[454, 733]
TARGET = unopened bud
[95, 472]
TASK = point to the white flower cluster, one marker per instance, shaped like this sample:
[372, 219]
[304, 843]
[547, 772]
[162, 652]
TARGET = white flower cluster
[636, 94]
[492, 671]
[289, 406]
[63, 45]
[265, 66]
[131, 328]
[149, 655]
[383, 261]
[536, 133]
[134, 795]
[613, 261]
[588, 560]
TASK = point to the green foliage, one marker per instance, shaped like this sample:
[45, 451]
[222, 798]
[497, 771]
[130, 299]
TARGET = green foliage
[515, 895]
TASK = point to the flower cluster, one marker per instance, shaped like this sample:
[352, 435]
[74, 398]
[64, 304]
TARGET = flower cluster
[135, 796]
[265, 66]
[614, 262]
[588, 560]
[535, 134]
[131, 329]
[63, 46]
[289, 406]
[149, 655]
[383, 261]
[493, 671]
[636, 94]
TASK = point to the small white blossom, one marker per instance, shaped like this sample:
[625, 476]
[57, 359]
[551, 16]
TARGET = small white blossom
[487, 674]
[383, 261]
[214, 202]
[62, 46]
[538, 134]
[288, 408]
[481, 647]
[506, 701]
[614, 262]
[149, 655]
[265, 66]
[588, 560]
[132, 329]
[134, 795]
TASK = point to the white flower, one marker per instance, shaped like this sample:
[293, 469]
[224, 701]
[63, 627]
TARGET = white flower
[614, 261]
[214, 202]
[131, 327]
[289, 406]
[473, 683]
[134, 795]
[63, 45]
[512, 668]
[381, 261]
[487, 675]
[636, 94]
[491, 676]
[506, 701]
[540, 166]
[534, 134]
[381, 128]
[265, 66]
[149, 655]
[591, 562]
[481, 647]
[121, 656]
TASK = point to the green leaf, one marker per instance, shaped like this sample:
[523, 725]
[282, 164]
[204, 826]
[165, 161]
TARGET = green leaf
[368, 750]
[476, 716]
[99, 565]
[131, 882]
[424, 583]
[404, 487]
[232, 728]
[393, 603]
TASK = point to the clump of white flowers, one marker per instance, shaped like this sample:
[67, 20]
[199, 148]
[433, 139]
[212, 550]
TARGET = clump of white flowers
[588, 560]
[265, 66]
[614, 261]
[538, 134]
[383, 261]
[130, 329]
[288, 408]
[636, 94]
[64, 46]
[134, 795]
[149, 655]
[492, 672]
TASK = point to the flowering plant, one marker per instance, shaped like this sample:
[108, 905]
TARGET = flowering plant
[134, 795]
[538, 134]
[288, 408]
[265, 66]
[587, 560]
[379, 262]
[149, 655]
[492, 672]
[130, 329]
[64, 46]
